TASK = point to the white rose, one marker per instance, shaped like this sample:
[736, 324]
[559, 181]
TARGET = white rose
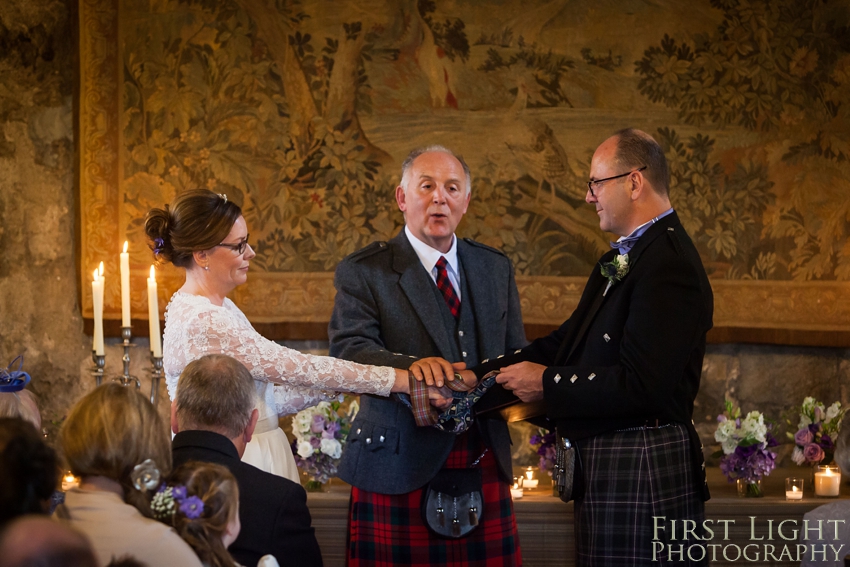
[305, 449]
[331, 448]
[797, 456]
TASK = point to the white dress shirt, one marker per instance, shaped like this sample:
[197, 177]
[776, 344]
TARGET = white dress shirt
[429, 256]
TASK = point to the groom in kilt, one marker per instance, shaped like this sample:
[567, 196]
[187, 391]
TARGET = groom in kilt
[619, 377]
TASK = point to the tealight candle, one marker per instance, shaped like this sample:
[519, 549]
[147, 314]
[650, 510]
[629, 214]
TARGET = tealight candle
[529, 481]
[516, 491]
[69, 481]
[827, 481]
[793, 488]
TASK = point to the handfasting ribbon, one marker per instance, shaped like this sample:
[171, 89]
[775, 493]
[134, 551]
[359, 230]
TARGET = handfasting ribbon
[14, 380]
[459, 416]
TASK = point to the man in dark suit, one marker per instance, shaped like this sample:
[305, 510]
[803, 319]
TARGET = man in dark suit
[620, 376]
[213, 417]
[425, 294]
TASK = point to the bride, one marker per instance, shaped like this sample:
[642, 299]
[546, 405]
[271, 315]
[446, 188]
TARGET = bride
[206, 235]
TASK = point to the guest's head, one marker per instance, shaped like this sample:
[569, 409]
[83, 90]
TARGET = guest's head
[629, 181]
[205, 233]
[37, 541]
[28, 470]
[20, 404]
[109, 432]
[216, 393]
[201, 501]
[433, 194]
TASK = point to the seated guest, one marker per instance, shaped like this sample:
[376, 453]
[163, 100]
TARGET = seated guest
[114, 440]
[201, 501]
[32, 541]
[213, 417]
[28, 470]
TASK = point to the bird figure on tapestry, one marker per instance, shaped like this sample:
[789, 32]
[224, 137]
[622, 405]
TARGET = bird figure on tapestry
[540, 153]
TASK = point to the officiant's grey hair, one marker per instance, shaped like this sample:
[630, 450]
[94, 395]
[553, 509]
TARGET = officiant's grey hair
[215, 393]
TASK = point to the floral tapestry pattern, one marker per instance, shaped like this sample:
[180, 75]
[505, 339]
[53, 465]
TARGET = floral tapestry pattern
[302, 111]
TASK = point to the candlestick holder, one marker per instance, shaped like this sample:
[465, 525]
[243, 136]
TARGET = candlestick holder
[99, 362]
[126, 379]
[156, 375]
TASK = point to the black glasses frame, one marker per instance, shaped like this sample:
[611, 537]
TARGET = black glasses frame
[598, 182]
[239, 247]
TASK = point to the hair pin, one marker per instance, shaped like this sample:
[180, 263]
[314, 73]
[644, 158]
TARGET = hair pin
[223, 196]
[14, 380]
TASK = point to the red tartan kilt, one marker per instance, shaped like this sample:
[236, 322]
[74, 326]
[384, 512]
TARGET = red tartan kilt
[387, 530]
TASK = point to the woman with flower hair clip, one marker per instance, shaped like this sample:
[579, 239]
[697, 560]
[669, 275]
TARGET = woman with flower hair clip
[115, 441]
[201, 502]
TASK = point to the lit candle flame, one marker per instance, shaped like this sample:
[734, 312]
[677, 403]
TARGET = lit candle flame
[100, 269]
[828, 471]
[125, 247]
[96, 274]
[153, 272]
[794, 489]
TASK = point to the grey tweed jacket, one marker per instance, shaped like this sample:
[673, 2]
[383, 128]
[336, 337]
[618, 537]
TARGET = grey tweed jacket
[389, 312]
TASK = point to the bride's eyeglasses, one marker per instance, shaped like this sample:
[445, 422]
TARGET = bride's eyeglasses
[239, 247]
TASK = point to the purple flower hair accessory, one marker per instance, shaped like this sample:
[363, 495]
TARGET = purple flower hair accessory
[192, 507]
[160, 245]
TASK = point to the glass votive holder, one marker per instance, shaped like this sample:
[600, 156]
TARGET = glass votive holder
[793, 488]
[529, 482]
[827, 481]
[516, 488]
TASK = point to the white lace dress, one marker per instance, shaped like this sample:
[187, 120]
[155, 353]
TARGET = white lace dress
[287, 381]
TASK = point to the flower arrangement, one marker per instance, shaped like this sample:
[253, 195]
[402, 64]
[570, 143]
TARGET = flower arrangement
[816, 432]
[615, 270]
[744, 447]
[168, 500]
[544, 442]
[320, 433]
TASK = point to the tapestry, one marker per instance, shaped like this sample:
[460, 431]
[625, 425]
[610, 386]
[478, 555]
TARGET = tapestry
[302, 111]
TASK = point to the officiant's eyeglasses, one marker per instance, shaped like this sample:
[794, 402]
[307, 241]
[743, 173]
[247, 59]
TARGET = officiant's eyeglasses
[239, 247]
[596, 184]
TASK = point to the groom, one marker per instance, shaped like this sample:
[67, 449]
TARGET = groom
[620, 376]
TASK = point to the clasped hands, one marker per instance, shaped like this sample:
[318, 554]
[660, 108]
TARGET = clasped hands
[524, 379]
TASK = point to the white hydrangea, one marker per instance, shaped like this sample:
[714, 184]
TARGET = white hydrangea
[301, 422]
[753, 427]
[331, 447]
[305, 449]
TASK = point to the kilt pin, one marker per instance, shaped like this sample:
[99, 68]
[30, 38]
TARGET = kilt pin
[622, 375]
[389, 311]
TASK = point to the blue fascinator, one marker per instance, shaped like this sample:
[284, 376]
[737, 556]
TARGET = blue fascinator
[14, 380]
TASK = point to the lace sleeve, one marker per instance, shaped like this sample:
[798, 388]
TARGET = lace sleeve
[289, 399]
[229, 332]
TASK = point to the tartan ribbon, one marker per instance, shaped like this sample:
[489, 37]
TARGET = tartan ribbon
[446, 288]
[459, 417]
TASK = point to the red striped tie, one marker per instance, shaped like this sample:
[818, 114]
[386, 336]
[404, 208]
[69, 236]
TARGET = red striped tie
[445, 286]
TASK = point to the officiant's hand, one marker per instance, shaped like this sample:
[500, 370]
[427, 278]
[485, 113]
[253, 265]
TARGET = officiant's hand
[524, 379]
[435, 371]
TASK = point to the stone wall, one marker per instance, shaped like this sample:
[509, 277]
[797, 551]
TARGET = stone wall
[39, 297]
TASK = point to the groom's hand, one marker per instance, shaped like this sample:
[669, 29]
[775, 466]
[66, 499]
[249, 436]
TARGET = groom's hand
[524, 379]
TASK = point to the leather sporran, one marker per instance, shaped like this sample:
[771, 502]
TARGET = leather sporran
[566, 475]
[453, 502]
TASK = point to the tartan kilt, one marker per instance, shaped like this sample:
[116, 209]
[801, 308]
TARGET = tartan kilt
[386, 530]
[631, 476]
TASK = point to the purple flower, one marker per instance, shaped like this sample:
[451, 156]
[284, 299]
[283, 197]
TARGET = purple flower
[179, 492]
[192, 507]
[315, 442]
[318, 424]
[803, 437]
[331, 430]
[813, 453]
[826, 442]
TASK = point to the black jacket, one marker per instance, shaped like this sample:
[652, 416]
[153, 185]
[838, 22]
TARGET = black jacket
[272, 509]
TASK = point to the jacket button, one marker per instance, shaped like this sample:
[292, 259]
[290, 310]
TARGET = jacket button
[381, 438]
[368, 440]
[460, 333]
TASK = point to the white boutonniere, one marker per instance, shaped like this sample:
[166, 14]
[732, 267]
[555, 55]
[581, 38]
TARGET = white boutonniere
[615, 270]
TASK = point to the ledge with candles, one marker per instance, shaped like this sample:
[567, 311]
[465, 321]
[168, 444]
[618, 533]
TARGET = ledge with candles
[545, 524]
